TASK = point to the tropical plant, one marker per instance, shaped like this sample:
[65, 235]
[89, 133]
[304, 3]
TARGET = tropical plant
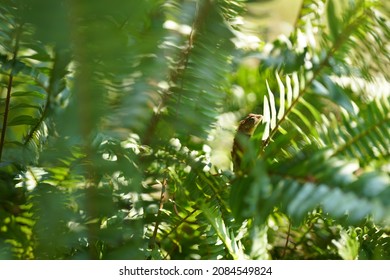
[112, 116]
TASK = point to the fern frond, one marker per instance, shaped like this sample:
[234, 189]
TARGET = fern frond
[331, 183]
[293, 116]
[311, 179]
[361, 23]
[374, 242]
[232, 246]
[310, 240]
[196, 93]
[309, 12]
[364, 137]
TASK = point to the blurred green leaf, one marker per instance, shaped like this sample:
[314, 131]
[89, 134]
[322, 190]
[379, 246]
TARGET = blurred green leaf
[333, 21]
[22, 120]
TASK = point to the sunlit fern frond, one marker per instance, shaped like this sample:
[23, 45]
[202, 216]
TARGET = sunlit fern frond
[364, 136]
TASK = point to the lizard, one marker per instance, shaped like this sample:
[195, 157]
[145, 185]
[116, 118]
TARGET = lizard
[245, 128]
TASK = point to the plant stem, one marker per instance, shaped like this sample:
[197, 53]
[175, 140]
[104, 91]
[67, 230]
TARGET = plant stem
[9, 89]
[6, 111]
[158, 218]
[287, 239]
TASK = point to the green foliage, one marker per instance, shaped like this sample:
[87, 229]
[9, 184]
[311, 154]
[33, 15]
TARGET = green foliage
[107, 114]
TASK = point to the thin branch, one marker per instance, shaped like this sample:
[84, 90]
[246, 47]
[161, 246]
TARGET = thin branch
[158, 218]
[9, 89]
[183, 220]
[6, 111]
[287, 240]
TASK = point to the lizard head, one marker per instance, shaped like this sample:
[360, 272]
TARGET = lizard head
[248, 125]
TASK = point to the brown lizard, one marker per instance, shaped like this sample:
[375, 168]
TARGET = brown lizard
[245, 128]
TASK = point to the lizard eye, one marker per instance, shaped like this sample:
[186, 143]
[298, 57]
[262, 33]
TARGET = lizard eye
[251, 120]
[248, 123]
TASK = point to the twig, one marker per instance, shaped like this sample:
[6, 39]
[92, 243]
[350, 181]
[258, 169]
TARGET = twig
[287, 239]
[6, 111]
[158, 218]
[174, 205]
[183, 220]
[9, 89]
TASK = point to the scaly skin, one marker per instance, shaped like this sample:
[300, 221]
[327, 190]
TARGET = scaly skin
[245, 129]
